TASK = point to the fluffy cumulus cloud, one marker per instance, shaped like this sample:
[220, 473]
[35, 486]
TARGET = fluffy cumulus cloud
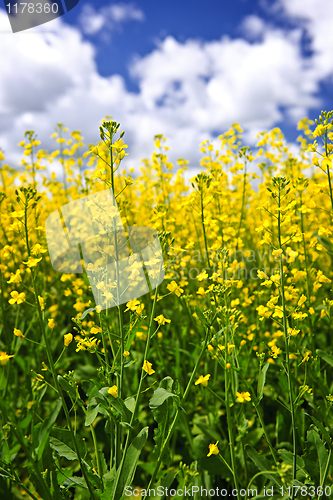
[187, 91]
[109, 17]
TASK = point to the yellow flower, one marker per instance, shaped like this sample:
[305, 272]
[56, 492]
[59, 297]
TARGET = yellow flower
[202, 276]
[243, 396]
[4, 357]
[51, 323]
[275, 351]
[161, 320]
[213, 449]
[292, 331]
[31, 262]
[95, 329]
[141, 335]
[306, 356]
[301, 300]
[15, 278]
[41, 302]
[38, 249]
[19, 213]
[299, 315]
[18, 333]
[113, 391]
[173, 287]
[203, 380]
[125, 354]
[68, 339]
[135, 306]
[147, 367]
[17, 297]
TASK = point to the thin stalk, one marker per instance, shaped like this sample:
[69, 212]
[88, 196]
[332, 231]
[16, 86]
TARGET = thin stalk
[328, 172]
[307, 277]
[287, 344]
[203, 225]
[230, 429]
[138, 391]
[182, 401]
[120, 316]
[243, 205]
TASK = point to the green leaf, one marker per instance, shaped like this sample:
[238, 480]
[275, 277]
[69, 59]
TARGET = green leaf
[159, 396]
[164, 484]
[316, 456]
[261, 382]
[87, 311]
[78, 481]
[163, 413]
[130, 464]
[263, 464]
[67, 387]
[287, 457]
[325, 242]
[62, 449]
[46, 427]
[118, 404]
[130, 404]
[166, 383]
[92, 412]
[326, 357]
[322, 429]
[200, 315]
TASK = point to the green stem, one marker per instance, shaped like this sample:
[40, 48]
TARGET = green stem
[286, 338]
[166, 442]
[325, 472]
[230, 429]
[138, 391]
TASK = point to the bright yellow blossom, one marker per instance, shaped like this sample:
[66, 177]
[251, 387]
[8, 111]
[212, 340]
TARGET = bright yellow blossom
[173, 287]
[213, 449]
[17, 298]
[161, 320]
[147, 367]
[51, 323]
[15, 278]
[203, 380]
[113, 391]
[4, 357]
[68, 339]
[243, 396]
[18, 333]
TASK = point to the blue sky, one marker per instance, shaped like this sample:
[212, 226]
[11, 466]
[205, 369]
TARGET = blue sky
[186, 68]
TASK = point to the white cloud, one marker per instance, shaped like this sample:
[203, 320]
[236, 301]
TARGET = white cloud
[108, 17]
[187, 91]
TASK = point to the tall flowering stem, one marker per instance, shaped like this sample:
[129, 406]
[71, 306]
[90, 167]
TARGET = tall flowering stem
[281, 191]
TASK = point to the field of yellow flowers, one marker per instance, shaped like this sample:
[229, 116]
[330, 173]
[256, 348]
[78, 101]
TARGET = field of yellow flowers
[218, 382]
